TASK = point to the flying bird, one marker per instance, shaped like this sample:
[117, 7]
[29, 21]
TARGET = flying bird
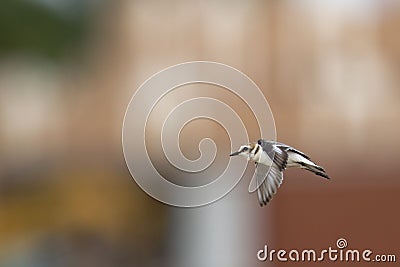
[271, 159]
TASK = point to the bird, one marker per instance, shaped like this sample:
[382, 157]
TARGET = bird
[271, 159]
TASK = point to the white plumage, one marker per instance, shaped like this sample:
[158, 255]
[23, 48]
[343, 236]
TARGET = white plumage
[271, 159]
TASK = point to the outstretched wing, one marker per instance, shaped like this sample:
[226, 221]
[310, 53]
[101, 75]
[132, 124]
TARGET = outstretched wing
[291, 149]
[269, 178]
[270, 182]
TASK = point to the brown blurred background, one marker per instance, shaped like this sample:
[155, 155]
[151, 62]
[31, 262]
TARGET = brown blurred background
[68, 68]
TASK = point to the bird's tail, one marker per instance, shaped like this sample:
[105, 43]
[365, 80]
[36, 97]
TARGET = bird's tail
[318, 170]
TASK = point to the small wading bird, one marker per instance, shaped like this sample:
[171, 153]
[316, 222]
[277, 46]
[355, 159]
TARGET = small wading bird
[271, 159]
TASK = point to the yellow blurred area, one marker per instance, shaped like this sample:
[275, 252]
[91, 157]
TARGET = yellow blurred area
[102, 205]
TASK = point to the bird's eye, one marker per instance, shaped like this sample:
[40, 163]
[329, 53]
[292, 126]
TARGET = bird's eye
[245, 149]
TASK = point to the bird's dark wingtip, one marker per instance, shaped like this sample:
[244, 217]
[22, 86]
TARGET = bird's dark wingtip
[323, 174]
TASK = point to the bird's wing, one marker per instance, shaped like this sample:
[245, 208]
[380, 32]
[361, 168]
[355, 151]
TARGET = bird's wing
[277, 151]
[289, 148]
[271, 178]
[279, 158]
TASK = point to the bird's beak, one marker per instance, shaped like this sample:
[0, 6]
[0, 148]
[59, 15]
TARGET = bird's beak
[235, 153]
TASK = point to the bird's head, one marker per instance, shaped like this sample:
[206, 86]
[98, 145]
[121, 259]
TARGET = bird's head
[245, 151]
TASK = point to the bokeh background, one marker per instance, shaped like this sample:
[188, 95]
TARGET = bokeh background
[68, 68]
